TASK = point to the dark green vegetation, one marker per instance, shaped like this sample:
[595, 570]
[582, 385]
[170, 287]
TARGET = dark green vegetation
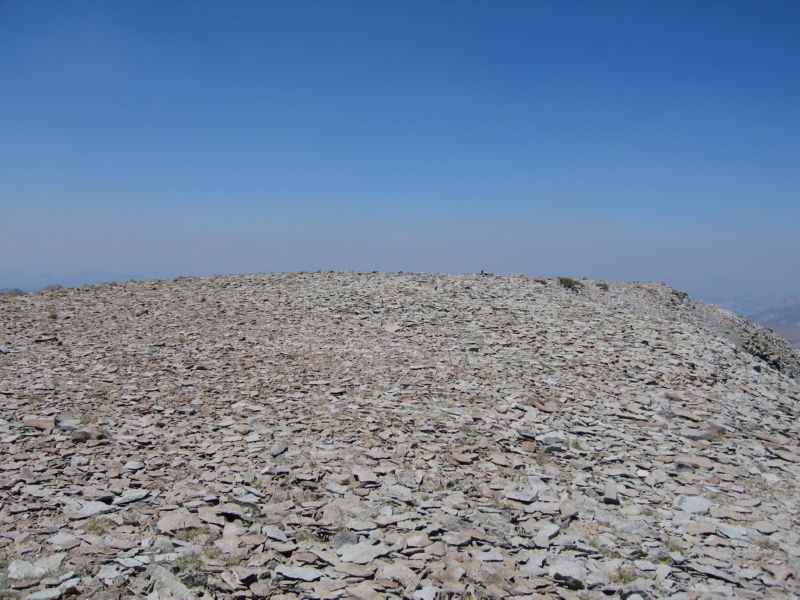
[570, 283]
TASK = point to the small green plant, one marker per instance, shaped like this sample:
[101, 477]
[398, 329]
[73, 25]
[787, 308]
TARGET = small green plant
[86, 419]
[540, 280]
[603, 286]
[98, 526]
[680, 295]
[189, 534]
[188, 562]
[623, 575]
[571, 284]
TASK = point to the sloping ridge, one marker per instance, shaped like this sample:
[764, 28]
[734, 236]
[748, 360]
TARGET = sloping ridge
[748, 336]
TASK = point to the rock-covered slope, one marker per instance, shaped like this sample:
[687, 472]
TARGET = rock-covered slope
[393, 436]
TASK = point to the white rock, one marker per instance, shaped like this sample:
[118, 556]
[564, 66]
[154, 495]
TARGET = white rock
[429, 592]
[361, 553]
[22, 569]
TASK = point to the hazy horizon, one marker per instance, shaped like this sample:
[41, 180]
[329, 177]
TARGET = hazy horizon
[610, 141]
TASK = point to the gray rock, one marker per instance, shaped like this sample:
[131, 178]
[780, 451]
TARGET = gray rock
[553, 438]
[342, 538]
[87, 509]
[692, 504]
[45, 594]
[524, 496]
[765, 527]
[611, 495]
[569, 573]
[132, 497]
[167, 585]
[490, 555]
[732, 531]
[299, 573]
[22, 569]
[278, 448]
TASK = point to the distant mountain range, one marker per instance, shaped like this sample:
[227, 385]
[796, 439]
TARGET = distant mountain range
[784, 319]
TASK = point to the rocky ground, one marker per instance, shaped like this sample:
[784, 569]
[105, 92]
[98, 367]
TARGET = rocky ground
[393, 436]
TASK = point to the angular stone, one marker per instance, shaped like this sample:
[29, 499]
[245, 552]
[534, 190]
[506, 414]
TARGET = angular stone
[133, 496]
[300, 573]
[167, 585]
[692, 504]
[42, 423]
[398, 572]
[523, 496]
[361, 553]
[569, 573]
[694, 461]
[22, 569]
[765, 527]
[552, 438]
[278, 448]
[45, 594]
[177, 520]
[732, 531]
[610, 494]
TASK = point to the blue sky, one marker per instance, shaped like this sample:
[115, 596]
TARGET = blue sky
[621, 140]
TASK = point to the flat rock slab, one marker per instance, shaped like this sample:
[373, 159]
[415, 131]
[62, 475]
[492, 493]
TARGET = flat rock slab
[299, 573]
[177, 520]
[361, 553]
[692, 504]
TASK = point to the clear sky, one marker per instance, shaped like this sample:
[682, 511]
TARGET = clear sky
[626, 140]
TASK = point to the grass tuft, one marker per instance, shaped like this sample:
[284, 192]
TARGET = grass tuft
[98, 526]
[624, 575]
[571, 284]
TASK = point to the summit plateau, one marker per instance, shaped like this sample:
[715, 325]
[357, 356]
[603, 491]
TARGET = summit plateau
[394, 435]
